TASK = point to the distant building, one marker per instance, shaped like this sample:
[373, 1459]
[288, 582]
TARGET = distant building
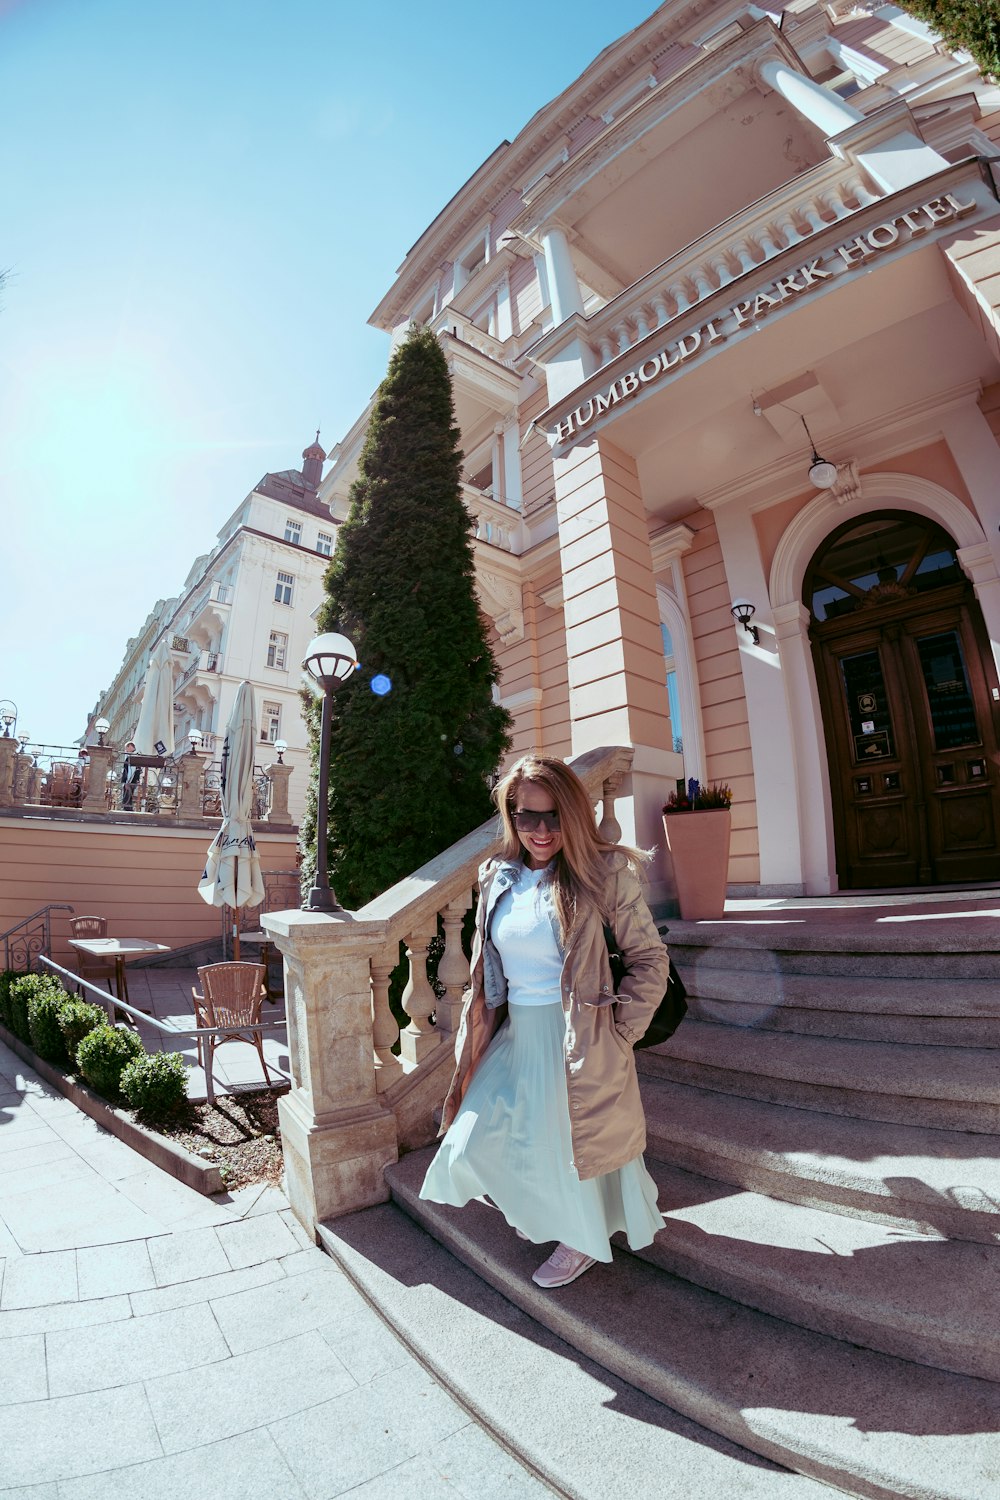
[245, 611]
[744, 230]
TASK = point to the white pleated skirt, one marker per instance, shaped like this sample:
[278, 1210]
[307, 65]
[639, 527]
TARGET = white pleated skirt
[511, 1141]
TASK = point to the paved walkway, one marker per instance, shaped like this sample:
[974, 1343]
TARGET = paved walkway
[155, 1343]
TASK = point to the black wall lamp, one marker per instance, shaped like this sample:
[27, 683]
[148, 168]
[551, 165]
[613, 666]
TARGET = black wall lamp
[743, 612]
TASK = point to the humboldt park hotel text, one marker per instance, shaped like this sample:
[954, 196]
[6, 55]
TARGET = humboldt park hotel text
[724, 327]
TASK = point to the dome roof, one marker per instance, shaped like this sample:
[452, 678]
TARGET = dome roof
[314, 450]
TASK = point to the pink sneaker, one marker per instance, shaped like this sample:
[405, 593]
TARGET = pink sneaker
[563, 1266]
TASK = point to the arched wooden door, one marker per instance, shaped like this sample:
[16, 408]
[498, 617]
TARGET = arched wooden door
[911, 706]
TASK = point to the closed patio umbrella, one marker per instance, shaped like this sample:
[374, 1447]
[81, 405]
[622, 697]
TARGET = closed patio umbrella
[156, 716]
[232, 874]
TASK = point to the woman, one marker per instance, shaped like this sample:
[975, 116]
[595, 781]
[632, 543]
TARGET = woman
[544, 1113]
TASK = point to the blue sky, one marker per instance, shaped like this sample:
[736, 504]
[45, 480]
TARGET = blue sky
[201, 202]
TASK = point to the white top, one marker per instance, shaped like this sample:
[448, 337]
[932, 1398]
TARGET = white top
[523, 930]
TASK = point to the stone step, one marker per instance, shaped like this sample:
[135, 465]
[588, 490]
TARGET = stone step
[758, 948]
[955, 1088]
[586, 1432]
[844, 1015]
[865, 993]
[938, 1181]
[869, 1423]
[918, 1296]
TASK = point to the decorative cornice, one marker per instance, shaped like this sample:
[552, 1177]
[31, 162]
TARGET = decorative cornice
[669, 543]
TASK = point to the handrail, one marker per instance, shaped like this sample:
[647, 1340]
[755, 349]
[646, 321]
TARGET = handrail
[29, 947]
[111, 1003]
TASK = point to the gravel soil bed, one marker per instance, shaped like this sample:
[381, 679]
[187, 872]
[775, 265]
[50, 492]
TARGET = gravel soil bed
[239, 1133]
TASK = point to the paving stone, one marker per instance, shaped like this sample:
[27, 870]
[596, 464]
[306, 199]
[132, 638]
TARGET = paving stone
[305, 1239]
[22, 1362]
[33, 1492]
[49, 1149]
[203, 1289]
[299, 1261]
[258, 1238]
[34, 1176]
[244, 1392]
[114, 1354]
[19, 1132]
[106, 1270]
[37, 1280]
[87, 1211]
[187, 1254]
[248, 1467]
[54, 1440]
[370, 1430]
[479, 1469]
[365, 1345]
[64, 1315]
[171, 1204]
[293, 1305]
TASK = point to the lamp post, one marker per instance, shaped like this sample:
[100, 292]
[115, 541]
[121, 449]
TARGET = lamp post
[8, 717]
[330, 660]
[281, 746]
[102, 726]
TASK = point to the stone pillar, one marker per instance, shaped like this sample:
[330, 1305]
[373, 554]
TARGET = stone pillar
[336, 1135]
[189, 769]
[564, 289]
[278, 774]
[772, 741]
[8, 752]
[617, 676]
[96, 796]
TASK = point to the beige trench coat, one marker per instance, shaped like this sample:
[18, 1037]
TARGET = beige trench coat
[606, 1118]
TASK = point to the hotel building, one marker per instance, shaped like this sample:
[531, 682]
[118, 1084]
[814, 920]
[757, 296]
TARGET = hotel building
[723, 321]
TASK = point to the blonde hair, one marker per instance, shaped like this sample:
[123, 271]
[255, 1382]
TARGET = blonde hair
[578, 875]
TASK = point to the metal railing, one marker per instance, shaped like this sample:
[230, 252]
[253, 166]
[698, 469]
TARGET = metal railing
[25, 941]
[111, 1004]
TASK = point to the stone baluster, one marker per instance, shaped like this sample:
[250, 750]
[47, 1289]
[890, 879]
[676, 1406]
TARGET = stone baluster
[609, 827]
[606, 350]
[624, 336]
[860, 191]
[788, 229]
[769, 241]
[813, 215]
[702, 283]
[679, 292]
[661, 307]
[834, 200]
[453, 969]
[744, 254]
[278, 775]
[419, 1000]
[643, 323]
[721, 269]
[384, 1027]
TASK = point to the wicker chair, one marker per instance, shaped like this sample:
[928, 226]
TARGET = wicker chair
[99, 970]
[231, 995]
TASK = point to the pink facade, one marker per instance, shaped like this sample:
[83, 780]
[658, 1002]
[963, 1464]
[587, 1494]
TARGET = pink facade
[725, 243]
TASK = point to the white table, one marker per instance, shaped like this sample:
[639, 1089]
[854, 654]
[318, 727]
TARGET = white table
[119, 949]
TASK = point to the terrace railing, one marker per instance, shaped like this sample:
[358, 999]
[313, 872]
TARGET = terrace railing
[31, 938]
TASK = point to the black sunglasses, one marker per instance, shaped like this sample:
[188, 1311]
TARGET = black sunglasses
[526, 820]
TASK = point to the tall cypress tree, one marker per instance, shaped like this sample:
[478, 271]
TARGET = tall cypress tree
[416, 734]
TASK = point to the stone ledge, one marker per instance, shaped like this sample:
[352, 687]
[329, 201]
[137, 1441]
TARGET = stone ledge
[170, 1156]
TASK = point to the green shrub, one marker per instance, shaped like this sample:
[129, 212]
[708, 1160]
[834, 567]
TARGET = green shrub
[102, 1055]
[77, 1018]
[44, 1006]
[7, 978]
[22, 992]
[155, 1085]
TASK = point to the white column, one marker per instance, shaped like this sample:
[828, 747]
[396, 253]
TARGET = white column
[975, 450]
[825, 109]
[819, 867]
[564, 289]
[887, 146]
[772, 744]
[509, 443]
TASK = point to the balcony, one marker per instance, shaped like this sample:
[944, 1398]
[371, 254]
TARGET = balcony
[202, 664]
[208, 615]
[495, 523]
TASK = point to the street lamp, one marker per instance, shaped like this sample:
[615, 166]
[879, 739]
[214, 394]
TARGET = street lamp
[281, 746]
[8, 717]
[195, 737]
[102, 726]
[330, 660]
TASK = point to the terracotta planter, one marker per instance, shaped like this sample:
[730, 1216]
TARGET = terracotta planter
[699, 850]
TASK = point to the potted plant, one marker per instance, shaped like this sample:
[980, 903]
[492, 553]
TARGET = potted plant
[696, 821]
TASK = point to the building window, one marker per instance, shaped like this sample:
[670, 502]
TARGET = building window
[283, 588]
[293, 531]
[324, 543]
[277, 649]
[270, 724]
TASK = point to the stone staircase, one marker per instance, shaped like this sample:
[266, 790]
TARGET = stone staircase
[825, 1134]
